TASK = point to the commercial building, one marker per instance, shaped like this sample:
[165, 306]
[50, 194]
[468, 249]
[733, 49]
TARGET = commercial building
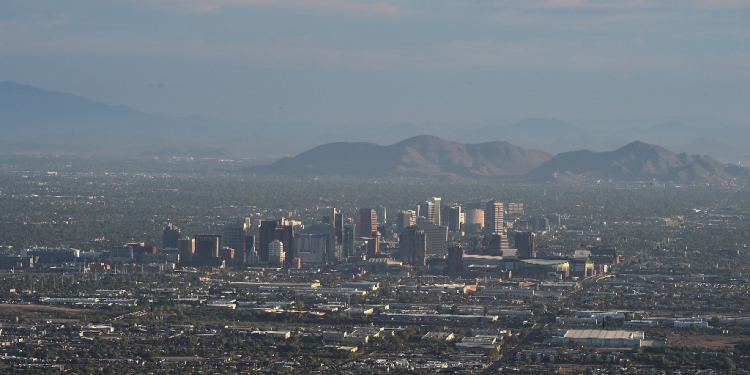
[474, 220]
[206, 249]
[597, 337]
[436, 237]
[276, 254]
[186, 247]
[273, 230]
[455, 218]
[310, 249]
[367, 222]
[405, 219]
[170, 237]
[234, 234]
[348, 245]
[524, 244]
[413, 246]
[493, 217]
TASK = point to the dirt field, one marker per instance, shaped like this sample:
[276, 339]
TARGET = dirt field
[15, 308]
[702, 340]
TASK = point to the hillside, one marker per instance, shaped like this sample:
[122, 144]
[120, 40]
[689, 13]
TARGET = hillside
[636, 161]
[423, 155]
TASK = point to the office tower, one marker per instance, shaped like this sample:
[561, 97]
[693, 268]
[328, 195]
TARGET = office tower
[170, 237]
[311, 248]
[515, 208]
[373, 245]
[226, 254]
[405, 219]
[140, 249]
[348, 244]
[427, 211]
[474, 220]
[380, 211]
[276, 254]
[367, 221]
[493, 217]
[436, 237]
[338, 226]
[266, 235]
[438, 218]
[525, 245]
[234, 234]
[455, 259]
[330, 253]
[206, 248]
[412, 246]
[495, 244]
[251, 251]
[454, 218]
[336, 220]
[251, 255]
[539, 224]
[123, 253]
[187, 249]
[271, 230]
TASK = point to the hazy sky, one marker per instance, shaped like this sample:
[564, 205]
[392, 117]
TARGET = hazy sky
[351, 61]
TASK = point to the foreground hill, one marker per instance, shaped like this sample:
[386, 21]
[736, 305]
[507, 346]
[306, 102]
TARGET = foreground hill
[423, 155]
[636, 161]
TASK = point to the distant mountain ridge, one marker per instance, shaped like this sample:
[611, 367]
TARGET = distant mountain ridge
[636, 161]
[36, 120]
[424, 155]
[427, 155]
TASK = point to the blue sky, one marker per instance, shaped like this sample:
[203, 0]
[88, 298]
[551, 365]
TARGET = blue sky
[354, 62]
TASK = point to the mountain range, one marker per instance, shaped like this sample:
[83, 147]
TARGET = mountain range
[32, 119]
[423, 156]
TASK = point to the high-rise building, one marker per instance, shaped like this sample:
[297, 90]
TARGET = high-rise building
[495, 244]
[311, 248]
[251, 254]
[226, 254]
[413, 246]
[234, 234]
[525, 245]
[455, 259]
[336, 220]
[140, 249]
[454, 218]
[405, 219]
[474, 220]
[380, 211]
[427, 211]
[348, 245]
[373, 245]
[493, 217]
[170, 237]
[438, 218]
[276, 253]
[271, 230]
[436, 237]
[367, 221]
[186, 247]
[515, 208]
[206, 249]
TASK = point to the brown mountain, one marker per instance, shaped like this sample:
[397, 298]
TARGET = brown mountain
[423, 155]
[636, 161]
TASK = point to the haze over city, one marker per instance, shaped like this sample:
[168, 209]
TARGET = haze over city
[351, 62]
